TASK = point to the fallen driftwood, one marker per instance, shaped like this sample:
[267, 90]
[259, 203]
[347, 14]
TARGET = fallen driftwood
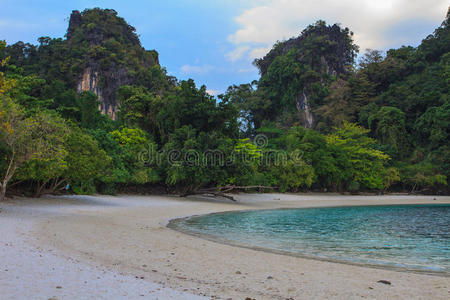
[221, 191]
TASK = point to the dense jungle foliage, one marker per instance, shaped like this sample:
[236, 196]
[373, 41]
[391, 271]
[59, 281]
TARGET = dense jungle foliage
[315, 120]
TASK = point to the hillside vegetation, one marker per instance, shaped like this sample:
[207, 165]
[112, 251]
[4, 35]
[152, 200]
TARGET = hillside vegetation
[95, 112]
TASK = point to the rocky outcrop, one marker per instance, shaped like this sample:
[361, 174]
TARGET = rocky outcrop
[323, 51]
[303, 105]
[106, 51]
[90, 82]
[338, 55]
[74, 22]
[104, 85]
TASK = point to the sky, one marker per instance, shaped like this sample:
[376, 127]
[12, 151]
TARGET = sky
[215, 41]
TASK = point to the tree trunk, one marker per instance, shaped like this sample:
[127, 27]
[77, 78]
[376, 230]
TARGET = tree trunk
[5, 183]
[221, 191]
[40, 187]
[56, 185]
[2, 192]
[12, 166]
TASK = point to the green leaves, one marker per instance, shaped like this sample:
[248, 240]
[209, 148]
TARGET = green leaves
[35, 140]
[85, 160]
[293, 176]
[388, 125]
[186, 106]
[133, 143]
[362, 163]
[372, 126]
[434, 125]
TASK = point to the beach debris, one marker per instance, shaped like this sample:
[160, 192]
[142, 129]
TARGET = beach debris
[154, 271]
[144, 266]
[222, 191]
[59, 287]
[370, 288]
[384, 282]
[248, 298]
[238, 272]
[269, 277]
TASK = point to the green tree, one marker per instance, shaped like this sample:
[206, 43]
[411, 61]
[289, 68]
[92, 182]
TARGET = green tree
[293, 175]
[45, 173]
[38, 137]
[90, 116]
[252, 105]
[388, 124]
[86, 162]
[434, 125]
[133, 144]
[356, 152]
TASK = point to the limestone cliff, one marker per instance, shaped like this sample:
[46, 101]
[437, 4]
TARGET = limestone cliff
[107, 53]
[111, 81]
[302, 104]
[90, 82]
[306, 63]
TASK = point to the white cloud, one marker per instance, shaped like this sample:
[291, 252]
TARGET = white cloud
[190, 69]
[262, 26]
[212, 92]
[259, 52]
[237, 53]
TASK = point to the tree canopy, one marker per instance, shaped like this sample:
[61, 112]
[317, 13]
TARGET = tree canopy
[314, 120]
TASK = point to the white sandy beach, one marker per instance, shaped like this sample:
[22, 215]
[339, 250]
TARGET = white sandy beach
[119, 247]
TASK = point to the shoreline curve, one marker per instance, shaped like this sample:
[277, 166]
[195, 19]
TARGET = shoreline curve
[126, 237]
[174, 225]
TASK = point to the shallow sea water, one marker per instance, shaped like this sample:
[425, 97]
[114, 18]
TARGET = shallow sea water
[415, 237]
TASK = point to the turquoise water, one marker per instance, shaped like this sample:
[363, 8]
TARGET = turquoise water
[410, 236]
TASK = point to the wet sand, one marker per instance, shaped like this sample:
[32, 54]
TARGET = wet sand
[120, 247]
